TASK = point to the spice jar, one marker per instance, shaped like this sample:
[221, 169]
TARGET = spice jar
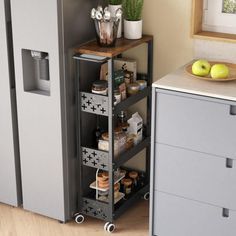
[134, 176]
[142, 84]
[116, 190]
[121, 137]
[117, 96]
[129, 142]
[103, 143]
[100, 87]
[132, 88]
[127, 186]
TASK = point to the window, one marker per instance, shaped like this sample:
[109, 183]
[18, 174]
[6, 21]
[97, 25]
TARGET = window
[219, 16]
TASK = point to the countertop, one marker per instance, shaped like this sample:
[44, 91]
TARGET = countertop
[182, 82]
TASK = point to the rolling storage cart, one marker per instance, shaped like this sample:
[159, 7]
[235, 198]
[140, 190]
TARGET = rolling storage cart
[94, 109]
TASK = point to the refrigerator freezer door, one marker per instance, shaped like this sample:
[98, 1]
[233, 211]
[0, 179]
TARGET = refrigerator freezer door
[9, 155]
[35, 27]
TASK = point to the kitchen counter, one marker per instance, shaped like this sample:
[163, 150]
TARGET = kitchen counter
[182, 82]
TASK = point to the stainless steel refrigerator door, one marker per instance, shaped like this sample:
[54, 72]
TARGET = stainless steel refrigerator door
[35, 27]
[9, 156]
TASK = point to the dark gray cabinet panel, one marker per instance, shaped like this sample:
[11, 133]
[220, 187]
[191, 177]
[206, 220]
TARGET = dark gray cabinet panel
[196, 124]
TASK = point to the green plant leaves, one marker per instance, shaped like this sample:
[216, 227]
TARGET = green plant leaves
[133, 9]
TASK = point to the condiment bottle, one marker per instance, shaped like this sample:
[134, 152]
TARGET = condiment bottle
[134, 176]
[127, 186]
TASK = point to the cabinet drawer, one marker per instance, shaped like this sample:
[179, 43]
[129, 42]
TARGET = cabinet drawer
[196, 124]
[196, 176]
[175, 216]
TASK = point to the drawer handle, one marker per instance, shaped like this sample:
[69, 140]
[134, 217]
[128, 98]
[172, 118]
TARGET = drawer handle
[225, 213]
[232, 110]
[229, 163]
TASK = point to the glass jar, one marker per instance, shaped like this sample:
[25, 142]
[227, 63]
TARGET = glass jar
[134, 176]
[127, 186]
[117, 96]
[100, 87]
[129, 142]
[132, 89]
[103, 143]
[121, 137]
[142, 84]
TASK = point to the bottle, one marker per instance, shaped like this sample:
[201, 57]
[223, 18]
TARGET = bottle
[97, 133]
[122, 121]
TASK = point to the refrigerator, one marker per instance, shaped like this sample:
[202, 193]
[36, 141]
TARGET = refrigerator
[10, 184]
[43, 34]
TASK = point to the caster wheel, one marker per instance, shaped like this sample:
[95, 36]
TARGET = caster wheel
[79, 219]
[146, 196]
[106, 225]
[109, 227]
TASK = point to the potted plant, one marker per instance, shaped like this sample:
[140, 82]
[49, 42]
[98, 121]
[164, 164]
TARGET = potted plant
[133, 18]
[113, 6]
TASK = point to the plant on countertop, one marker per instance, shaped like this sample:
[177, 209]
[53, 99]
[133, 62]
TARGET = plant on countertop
[115, 2]
[133, 9]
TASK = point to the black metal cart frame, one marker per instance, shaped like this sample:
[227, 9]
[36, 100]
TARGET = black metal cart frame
[105, 160]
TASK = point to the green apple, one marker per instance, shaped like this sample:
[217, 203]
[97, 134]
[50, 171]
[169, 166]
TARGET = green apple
[219, 71]
[201, 68]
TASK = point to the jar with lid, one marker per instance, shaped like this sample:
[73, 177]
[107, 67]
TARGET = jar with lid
[142, 84]
[117, 96]
[121, 137]
[132, 89]
[134, 176]
[127, 186]
[103, 143]
[100, 87]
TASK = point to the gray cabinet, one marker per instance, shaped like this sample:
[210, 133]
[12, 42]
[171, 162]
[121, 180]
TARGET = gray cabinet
[196, 123]
[193, 188]
[176, 216]
[10, 189]
[43, 33]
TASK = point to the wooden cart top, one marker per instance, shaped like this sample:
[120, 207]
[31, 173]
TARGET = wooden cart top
[122, 45]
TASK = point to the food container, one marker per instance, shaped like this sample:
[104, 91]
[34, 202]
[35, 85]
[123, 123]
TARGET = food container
[121, 137]
[130, 142]
[117, 96]
[103, 143]
[132, 88]
[129, 77]
[134, 176]
[122, 88]
[100, 87]
[119, 77]
[127, 186]
[142, 84]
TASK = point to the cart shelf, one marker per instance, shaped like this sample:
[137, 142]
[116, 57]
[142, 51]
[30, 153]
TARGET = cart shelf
[100, 209]
[99, 104]
[126, 156]
[122, 45]
[99, 159]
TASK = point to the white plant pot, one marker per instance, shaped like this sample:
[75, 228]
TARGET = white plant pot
[113, 9]
[133, 29]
